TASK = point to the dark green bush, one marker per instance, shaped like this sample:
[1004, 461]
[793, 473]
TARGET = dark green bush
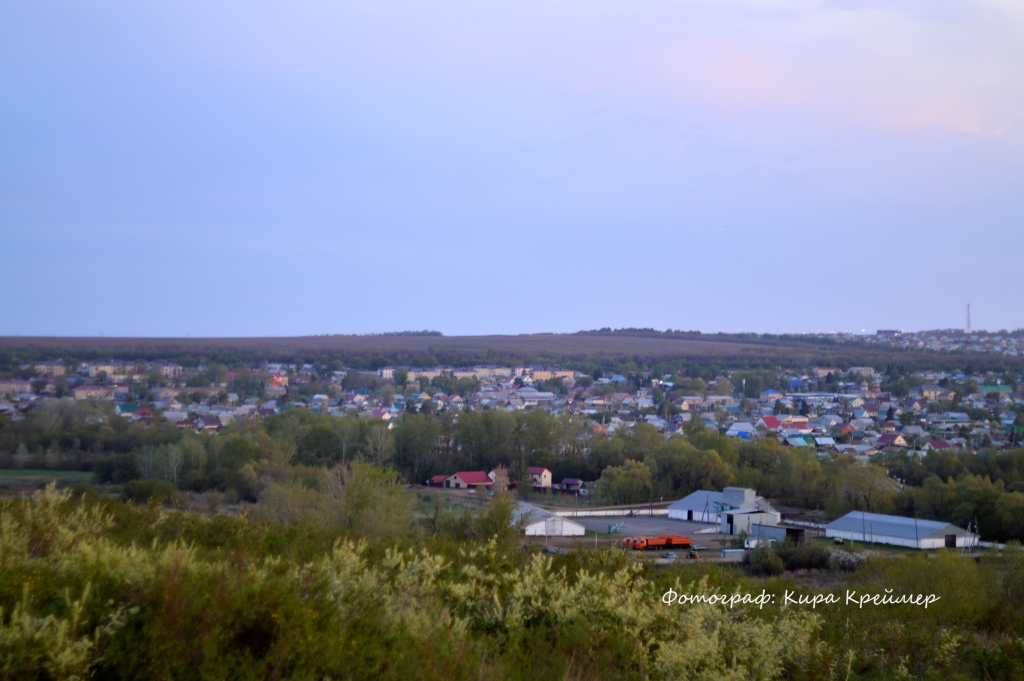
[805, 558]
[763, 561]
[144, 491]
[117, 469]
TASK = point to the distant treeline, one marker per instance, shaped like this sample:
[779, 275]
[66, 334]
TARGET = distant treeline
[633, 352]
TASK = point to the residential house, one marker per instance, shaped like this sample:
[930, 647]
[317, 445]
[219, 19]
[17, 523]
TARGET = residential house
[208, 423]
[571, 484]
[933, 393]
[468, 480]
[890, 440]
[768, 424]
[539, 476]
[741, 429]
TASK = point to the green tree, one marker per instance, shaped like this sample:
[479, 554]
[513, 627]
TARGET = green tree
[237, 450]
[318, 447]
[629, 483]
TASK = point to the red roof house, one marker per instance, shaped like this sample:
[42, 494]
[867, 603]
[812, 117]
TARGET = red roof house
[467, 480]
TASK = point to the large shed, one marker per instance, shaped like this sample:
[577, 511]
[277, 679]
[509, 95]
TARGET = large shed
[541, 523]
[702, 506]
[705, 506]
[899, 531]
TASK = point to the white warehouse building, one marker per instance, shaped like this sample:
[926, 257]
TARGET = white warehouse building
[725, 507]
[541, 523]
[899, 531]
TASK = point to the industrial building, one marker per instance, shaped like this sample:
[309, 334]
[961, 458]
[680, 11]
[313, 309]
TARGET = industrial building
[541, 523]
[899, 531]
[734, 508]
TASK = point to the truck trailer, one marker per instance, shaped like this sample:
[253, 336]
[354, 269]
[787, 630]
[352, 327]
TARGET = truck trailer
[660, 543]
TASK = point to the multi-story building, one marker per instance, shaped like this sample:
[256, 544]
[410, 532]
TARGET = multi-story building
[167, 369]
[54, 368]
[103, 393]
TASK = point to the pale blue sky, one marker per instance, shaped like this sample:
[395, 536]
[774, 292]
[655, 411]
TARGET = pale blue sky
[259, 168]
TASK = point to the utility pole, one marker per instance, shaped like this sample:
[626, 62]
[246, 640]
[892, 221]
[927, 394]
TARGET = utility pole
[968, 318]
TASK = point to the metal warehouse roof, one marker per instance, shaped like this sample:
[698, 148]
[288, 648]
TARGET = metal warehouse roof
[535, 513]
[893, 526]
[700, 501]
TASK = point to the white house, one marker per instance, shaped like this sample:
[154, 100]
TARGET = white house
[740, 429]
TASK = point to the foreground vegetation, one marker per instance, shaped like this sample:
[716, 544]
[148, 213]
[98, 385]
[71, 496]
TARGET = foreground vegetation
[334, 577]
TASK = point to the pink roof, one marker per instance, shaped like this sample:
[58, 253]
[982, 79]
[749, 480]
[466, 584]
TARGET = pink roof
[537, 470]
[439, 478]
[474, 477]
[770, 421]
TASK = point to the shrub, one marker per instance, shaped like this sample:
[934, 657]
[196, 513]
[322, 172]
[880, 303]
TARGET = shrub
[245, 483]
[808, 557]
[83, 489]
[845, 560]
[144, 491]
[765, 562]
[117, 469]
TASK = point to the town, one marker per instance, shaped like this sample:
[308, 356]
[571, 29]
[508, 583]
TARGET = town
[857, 421]
[858, 411]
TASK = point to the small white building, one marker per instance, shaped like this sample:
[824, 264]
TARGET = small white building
[541, 523]
[899, 531]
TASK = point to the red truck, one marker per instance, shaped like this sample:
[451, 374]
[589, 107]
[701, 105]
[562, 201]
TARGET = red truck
[666, 541]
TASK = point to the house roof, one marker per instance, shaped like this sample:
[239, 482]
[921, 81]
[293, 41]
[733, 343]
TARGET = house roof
[537, 470]
[474, 477]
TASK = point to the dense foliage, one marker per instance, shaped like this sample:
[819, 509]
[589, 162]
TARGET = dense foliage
[105, 589]
[634, 465]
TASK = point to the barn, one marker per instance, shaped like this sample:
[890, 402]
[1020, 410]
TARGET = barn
[541, 523]
[899, 531]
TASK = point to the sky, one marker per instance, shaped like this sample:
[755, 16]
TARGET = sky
[305, 167]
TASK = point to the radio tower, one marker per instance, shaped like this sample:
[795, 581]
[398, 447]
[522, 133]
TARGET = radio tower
[968, 318]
